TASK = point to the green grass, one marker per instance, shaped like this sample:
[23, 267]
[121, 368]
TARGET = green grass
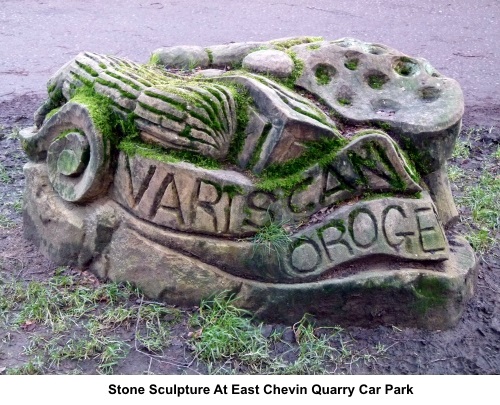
[71, 322]
[483, 200]
[32, 367]
[225, 335]
[226, 332]
[461, 149]
[455, 173]
[480, 200]
[497, 153]
[4, 175]
[5, 222]
[79, 321]
[273, 237]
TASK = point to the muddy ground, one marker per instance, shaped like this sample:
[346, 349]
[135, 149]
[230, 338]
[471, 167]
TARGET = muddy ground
[473, 347]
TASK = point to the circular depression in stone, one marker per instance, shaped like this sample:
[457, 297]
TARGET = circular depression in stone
[352, 59]
[345, 96]
[376, 79]
[405, 66]
[73, 160]
[324, 73]
[429, 94]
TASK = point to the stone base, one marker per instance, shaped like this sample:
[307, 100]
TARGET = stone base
[115, 245]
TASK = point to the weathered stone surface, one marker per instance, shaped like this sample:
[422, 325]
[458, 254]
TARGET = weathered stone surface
[84, 145]
[123, 249]
[385, 293]
[169, 111]
[396, 227]
[294, 120]
[183, 197]
[164, 273]
[276, 63]
[384, 85]
[68, 234]
[182, 57]
[439, 188]
[297, 217]
[200, 118]
[372, 82]
[210, 72]
[231, 55]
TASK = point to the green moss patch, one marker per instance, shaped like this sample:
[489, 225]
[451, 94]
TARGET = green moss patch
[154, 60]
[133, 147]
[288, 43]
[243, 101]
[52, 113]
[351, 64]
[324, 74]
[100, 110]
[289, 175]
[430, 292]
[298, 68]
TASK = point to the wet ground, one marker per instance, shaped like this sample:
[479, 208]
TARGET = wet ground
[461, 41]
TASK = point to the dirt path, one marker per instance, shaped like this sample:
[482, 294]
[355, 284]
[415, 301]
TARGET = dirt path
[37, 37]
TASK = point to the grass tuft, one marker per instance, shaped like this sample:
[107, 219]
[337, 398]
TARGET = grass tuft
[226, 332]
[273, 237]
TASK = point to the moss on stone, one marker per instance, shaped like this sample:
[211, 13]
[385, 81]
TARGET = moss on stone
[336, 223]
[210, 55]
[376, 154]
[160, 112]
[417, 159]
[298, 68]
[288, 175]
[430, 292]
[351, 64]
[288, 43]
[115, 86]
[132, 147]
[344, 101]
[313, 47]
[101, 111]
[242, 101]
[383, 125]
[52, 113]
[154, 60]
[88, 69]
[125, 80]
[322, 75]
[175, 103]
[260, 143]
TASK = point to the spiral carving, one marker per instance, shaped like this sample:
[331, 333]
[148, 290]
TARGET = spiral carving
[77, 154]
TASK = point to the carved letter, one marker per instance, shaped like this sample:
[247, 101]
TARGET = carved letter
[331, 236]
[363, 228]
[431, 237]
[394, 217]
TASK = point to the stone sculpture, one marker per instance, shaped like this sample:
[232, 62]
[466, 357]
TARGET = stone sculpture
[301, 175]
